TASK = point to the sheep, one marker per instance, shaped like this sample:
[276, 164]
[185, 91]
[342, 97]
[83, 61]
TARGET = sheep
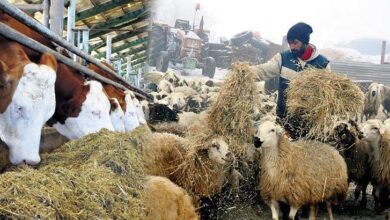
[176, 80]
[167, 201]
[195, 103]
[187, 91]
[200, 169]
[375, 133]
[358, 157]
[165, 86]
[298, 173]
[153, 77]
[177, 100]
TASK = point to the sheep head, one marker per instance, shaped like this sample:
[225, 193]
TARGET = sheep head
[372, 131]
[218, 151]
[375, 91]
[268, 134]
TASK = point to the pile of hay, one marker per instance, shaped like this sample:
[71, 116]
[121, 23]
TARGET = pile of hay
[320, 99]
[231, 114]
[99, 176]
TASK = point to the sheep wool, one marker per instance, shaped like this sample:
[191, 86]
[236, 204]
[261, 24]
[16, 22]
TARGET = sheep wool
[303, 173]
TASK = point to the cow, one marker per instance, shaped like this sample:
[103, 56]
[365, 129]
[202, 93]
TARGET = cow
[82, 107]
[128, 105]
[117, 115]
[27, 101]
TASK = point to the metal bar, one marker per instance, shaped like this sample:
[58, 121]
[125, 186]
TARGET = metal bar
[70, 22]
[30, 7]
[124, 46]
[26, 41]
[86, 40]
[35, 25]
[99, 9]
[108, 48]
[56, 10]
[383, 52]
[126, 18]
[117, 39]
[46, 12]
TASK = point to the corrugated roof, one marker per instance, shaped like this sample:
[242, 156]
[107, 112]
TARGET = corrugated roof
[363, 71]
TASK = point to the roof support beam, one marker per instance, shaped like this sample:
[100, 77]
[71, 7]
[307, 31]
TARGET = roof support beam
[116, 39]
[124, 46]
[126, 18]
[99, 9]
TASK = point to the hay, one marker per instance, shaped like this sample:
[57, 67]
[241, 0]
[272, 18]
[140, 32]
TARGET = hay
[320, 99]
[99, 176]
[231, 114]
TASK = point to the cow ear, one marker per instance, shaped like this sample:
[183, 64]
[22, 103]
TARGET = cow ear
[4, 78]
[49, 60]
[3, 67]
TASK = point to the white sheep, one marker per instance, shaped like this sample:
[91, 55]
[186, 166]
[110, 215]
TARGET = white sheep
[298, 173]
[375, 133]
[165, 86]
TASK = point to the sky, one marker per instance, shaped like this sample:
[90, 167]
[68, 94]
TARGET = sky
[333, 21]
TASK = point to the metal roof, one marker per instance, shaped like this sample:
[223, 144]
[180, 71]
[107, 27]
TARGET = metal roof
[363, 71]
[125, 20]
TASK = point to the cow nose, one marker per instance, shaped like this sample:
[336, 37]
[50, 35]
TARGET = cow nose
[257, 142]
[31, 162]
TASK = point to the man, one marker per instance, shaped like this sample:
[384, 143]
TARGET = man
[289, 63]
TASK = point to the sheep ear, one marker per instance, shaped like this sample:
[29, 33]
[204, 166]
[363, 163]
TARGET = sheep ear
[279, 130]
[382, 129]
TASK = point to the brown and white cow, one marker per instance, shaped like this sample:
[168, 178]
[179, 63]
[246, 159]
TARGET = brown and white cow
[27, 101]
[82, 107]
[127, 100]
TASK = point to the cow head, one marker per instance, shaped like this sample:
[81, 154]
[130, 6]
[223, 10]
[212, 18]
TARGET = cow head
[117, 115]
[33, 103]
[131, 118]
[94, 114]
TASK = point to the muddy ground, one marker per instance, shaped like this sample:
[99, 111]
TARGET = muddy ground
[250, 207]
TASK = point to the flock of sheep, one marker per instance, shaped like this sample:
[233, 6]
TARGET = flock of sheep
[296, 172]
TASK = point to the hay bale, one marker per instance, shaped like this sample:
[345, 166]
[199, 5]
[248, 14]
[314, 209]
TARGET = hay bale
[231, 114]
[320, 99]
[100, 176]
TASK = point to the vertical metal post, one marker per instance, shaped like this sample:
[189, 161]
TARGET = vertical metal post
[119, 67]
[71, 21]
[86, 40]
[138, 77]
[56, 20]
[46, 12]
[128, 68]
[383, 52]
[108, 48]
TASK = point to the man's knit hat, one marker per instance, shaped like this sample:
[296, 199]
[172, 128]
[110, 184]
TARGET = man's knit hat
[300, 31]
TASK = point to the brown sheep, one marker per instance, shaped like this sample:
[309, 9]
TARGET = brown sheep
[374, 132]
[200, 169]
[358, 156]
[165, 200]
[299, 173]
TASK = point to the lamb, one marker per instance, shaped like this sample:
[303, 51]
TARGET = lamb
[165, 200]
[298, 173]
[199, 169]
[374, 132]
[358, 156]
